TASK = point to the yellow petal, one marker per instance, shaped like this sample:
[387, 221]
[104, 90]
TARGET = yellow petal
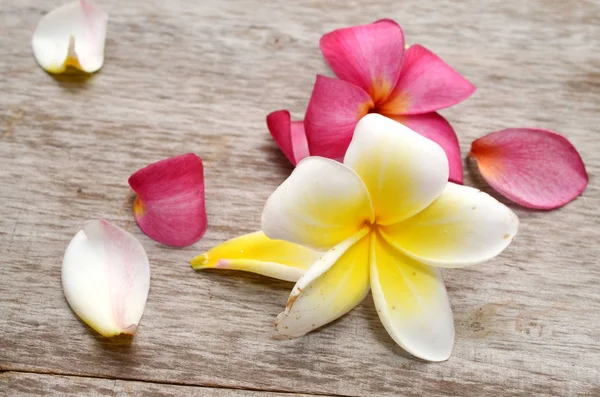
[412, 302]
[403, 171]
[257, 253]
[330, 295]
[321, 204]
[464, 226]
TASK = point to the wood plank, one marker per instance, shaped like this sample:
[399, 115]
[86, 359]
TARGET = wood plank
[20, 384]
[201, 77]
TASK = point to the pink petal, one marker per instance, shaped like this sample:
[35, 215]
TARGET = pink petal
[436, 128]
[289, 135]
[333, 111]
[170, 203]
[369, 56]
[426, 84]
[535, 168]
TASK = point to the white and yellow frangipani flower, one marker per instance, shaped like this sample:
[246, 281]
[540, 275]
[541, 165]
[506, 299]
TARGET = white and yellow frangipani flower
[386, 219]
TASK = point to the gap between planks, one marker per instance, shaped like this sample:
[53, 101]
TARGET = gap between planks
[267, 392]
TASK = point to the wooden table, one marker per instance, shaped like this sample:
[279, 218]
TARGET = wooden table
[201, 77]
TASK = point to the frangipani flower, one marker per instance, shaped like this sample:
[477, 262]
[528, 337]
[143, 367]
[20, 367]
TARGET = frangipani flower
[170, 205]
[533, 167]
[376, 75]
[106, 277]
[387, 219]
[72, 35]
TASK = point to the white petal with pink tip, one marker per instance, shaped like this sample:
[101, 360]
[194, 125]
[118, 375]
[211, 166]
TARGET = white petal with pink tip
[71, 35]
[106, 278]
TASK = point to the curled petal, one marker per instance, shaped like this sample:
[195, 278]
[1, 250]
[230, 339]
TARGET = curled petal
[463, 227]
[333, 111]
[324, 296]
[289, 135]
[106, 277]
[426, 84]
[437, 128]
[170, 203]
[533, 167]
[257, 253]
[389, 157]
[412, 303]
[71, 35]
[368, 56]
[313, 205]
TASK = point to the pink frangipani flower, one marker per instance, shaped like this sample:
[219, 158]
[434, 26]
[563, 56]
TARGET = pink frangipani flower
[375, 75]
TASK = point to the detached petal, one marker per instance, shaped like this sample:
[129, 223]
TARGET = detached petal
[412, 303]
[533, 167]
[170, 203]
[319, 299]
[437, 128]
[321, 204]
[106, 277]
[257, 253]
[426, 84]
[333, 111]
[404, 171]
[71, 35]
[289, 135]
[369, 56]
[463, 227]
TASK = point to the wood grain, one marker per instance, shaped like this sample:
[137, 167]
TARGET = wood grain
[13, 384]
[186, 76]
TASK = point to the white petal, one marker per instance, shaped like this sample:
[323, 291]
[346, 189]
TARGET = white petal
[257, 253]
[403, 171]
[321, 204]
[106, 277]
[328, 294]
[71, 35]
[412, 303]
[463, 227]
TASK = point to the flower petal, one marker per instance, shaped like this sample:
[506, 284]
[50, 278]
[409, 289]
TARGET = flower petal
[426, 84]
[390, 159]
[170, 203]
[316, 301]
[369, 56]
[257, 253]
[533, 167]
[106, 277]
[437, 128]
[71, 35]
[313, 205]
[463, 227]
[333, 111]
[289, 135]
[412, 303]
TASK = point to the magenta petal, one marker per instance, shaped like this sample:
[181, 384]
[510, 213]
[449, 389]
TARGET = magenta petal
[170, 203]
[536, 168]
[437, 128]
[334, 109]
[289, 135]
[369, 56]
[426, 84]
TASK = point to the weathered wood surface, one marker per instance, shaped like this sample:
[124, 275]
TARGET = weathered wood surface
[31, 385]
[186, 76]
